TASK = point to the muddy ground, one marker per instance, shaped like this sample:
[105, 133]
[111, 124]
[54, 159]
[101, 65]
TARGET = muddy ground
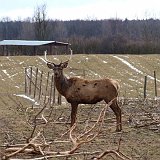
[140, 138]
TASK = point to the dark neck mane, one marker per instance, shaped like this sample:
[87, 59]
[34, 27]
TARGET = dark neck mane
[62, 84]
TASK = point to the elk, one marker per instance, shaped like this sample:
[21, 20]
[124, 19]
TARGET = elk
[82, 91]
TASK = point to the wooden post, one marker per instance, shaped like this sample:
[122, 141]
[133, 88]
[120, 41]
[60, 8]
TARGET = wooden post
[35, 50]
[67, 49]
[54, 95]
[155, 83]
[145, 86]
[3, 50]
[25, 83]
[7, 48]
[30, 83]
[46, 89]
[35, 82]
[51, 90]
[40, 86]
[50, 49]
[59, 99]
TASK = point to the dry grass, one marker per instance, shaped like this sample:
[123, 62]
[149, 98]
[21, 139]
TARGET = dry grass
[95, 66]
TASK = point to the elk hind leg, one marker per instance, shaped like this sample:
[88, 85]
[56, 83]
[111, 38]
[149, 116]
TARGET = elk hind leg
[117, 111]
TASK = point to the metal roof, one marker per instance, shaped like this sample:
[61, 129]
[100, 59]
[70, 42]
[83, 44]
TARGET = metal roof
[30, 43]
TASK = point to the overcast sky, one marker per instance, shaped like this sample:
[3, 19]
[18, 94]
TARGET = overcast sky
[82, 9]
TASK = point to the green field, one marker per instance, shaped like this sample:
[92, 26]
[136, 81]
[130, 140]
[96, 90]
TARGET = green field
[139, 141]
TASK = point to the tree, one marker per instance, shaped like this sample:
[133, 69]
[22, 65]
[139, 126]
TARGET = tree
[40, 23]
[5, 27]
[27, 32]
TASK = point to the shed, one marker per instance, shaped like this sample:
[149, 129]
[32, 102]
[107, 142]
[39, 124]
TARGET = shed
[9, 45]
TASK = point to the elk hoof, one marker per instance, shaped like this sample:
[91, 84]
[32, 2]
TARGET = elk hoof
[118, 130]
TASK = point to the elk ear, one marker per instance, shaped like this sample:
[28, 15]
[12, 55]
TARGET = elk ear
[65, 64]
[50, 65]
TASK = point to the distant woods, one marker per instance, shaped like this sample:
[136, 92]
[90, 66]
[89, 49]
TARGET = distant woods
[88, 36]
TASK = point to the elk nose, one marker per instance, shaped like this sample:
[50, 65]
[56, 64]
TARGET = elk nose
[56, 74]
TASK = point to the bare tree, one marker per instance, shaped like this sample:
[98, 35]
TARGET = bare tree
[40, 22]
[5, 25]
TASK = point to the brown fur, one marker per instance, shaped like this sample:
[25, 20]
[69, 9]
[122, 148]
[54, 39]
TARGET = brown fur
[82, 91]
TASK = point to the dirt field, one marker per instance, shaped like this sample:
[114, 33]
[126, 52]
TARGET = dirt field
[140, 138]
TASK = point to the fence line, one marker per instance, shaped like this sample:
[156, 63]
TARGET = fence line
[41, 88]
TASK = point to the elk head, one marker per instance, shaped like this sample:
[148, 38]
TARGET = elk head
[57, 68]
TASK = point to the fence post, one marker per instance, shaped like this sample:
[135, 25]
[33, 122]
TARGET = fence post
[25, 83]
[30, 84]
[35, 82]
[155, 83]
[40, 86]
[59, 99]
[54, 95]
[51, 90]
[46, 88]
[145, 86]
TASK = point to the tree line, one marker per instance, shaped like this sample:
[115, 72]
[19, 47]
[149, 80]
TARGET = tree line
[88, 36]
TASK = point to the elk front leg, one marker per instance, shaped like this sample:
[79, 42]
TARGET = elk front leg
[73, 113]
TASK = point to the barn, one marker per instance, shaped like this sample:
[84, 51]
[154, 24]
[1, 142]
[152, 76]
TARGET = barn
[28, 47]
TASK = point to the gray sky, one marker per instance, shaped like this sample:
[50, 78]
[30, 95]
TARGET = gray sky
[82, 9]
